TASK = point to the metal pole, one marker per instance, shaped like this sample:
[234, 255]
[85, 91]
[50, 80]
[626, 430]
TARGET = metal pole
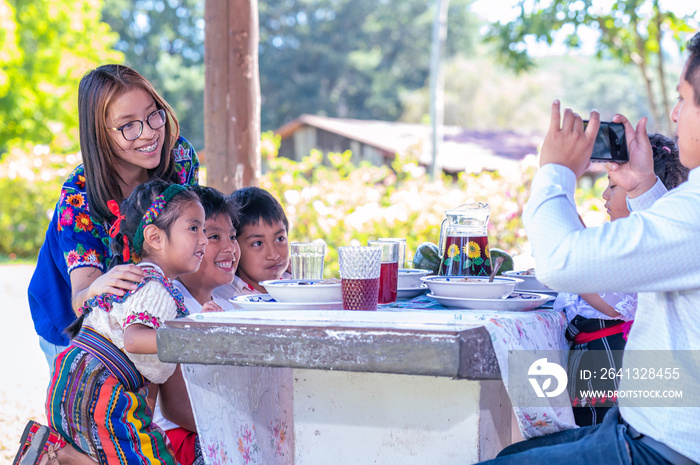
[437, 104]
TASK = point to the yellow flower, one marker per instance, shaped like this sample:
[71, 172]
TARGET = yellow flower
[453, 250]
[488, 253]
[474, 250]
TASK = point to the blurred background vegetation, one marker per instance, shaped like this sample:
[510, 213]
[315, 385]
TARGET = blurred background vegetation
[366, 59]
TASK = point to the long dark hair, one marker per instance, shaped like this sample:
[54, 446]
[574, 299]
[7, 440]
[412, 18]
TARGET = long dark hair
[98, 89]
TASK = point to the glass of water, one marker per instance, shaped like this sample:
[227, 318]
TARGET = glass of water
[307, 259]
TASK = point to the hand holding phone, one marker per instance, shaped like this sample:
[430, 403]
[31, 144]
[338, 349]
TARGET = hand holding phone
[610, 143]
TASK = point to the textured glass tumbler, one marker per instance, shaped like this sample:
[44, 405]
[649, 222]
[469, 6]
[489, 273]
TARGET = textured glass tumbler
[307, 259]
[359, 276]
[402, 248]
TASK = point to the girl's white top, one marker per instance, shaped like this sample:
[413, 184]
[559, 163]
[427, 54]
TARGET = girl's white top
[149, 305]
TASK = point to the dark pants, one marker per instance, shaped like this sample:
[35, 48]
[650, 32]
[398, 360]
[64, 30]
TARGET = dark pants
[607, 443]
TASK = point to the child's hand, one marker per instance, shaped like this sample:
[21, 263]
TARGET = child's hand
[211, 306]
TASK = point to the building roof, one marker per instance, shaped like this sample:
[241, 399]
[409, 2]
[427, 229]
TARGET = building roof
[462, 149]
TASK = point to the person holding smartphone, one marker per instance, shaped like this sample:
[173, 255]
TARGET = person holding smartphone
[599, 323]
[654, 252]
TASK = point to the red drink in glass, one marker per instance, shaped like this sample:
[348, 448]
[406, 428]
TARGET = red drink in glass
[466, 256]
[360, 294]
[388, 282]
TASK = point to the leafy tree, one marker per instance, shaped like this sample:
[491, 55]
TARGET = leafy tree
[45, 48]
[631, 31]
[348, 58]
[164, 41]
[481, 94]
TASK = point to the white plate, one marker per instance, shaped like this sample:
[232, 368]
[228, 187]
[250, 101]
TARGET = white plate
[410, 292]
[471, 287]
[304, 290]
[530, 282]
[266, 302]
[516, 302]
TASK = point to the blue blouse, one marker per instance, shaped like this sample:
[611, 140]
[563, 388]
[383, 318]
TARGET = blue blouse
[74, 241]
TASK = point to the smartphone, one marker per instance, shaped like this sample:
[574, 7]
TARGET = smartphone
[610, 143]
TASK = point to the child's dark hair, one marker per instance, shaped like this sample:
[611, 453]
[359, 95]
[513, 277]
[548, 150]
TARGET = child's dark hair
[256, 204]
[667, 163]
[215, 203]
[133, 211]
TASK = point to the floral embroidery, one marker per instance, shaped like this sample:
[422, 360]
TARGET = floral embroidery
[143, 317]
[65, 218]
[72, 258]
[76, 200]
[247, 444]
[82, 257]
[216, 453]
[278, 434]
[77, 230]
[181, 153]
[105, 301]
[83, 222]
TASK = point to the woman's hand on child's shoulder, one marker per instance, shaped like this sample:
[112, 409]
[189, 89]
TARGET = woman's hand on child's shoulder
[211, 306]
[117, 281]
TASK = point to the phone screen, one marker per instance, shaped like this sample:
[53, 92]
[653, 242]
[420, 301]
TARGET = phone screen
[610, 143]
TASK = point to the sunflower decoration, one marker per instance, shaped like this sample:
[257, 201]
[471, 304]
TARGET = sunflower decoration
[453, 250]
[452, 255]
[472, 250]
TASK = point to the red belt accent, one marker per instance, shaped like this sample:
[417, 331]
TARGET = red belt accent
[582, 338]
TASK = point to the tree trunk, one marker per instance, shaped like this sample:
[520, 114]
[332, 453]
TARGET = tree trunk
[231, 94]
[662, 75]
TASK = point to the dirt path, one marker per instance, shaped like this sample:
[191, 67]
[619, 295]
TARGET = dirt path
[24, 373]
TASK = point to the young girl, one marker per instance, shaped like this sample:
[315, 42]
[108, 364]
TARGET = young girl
[218, 268]
[598, 322]
[99, 398]
[262, 229]
[128, 135]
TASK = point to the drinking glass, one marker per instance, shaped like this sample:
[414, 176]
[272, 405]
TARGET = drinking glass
[402, 248]
[307, 259]
[359, 276]
[389, 276]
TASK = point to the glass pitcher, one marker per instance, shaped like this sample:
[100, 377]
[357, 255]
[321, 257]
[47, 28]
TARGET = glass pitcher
[464, 244]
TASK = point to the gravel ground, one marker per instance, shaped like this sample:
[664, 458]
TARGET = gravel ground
[24, 373]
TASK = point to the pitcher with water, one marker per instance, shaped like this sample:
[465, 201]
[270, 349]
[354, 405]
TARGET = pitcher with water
[464, 244]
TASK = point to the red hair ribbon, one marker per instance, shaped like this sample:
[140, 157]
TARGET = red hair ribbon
[114, 229]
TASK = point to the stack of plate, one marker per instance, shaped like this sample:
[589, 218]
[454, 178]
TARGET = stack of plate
[295, 294]
[477, 293]
[410, 284]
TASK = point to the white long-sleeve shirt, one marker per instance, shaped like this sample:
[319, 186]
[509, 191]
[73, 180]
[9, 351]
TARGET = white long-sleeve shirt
[654, 252]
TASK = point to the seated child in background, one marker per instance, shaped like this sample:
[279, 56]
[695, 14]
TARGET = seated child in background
[262, 229]
[218, 268]
[597, 322]
[100, 398]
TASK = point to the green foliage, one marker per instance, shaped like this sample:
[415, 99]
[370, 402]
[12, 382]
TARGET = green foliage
[46, 47]
[629, 31]
[347, 205]
[349, 58]
[30, 183]
[164, 41]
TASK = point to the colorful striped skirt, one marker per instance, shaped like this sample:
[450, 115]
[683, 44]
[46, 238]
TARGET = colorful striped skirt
[104, 415]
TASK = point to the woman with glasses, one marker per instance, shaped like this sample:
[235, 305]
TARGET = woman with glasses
[128, 135]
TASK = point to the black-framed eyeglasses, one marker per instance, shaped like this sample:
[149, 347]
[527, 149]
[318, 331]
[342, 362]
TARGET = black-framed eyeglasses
[133, 129]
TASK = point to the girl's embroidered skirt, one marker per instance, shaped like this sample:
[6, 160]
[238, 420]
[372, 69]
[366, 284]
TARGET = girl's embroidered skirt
[97, 413]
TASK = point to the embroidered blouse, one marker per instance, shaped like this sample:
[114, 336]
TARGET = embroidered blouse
[73, 241]
[154, 301]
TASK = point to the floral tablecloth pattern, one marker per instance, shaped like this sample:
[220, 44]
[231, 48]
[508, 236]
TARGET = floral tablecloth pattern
[540, 329]
[251, 404]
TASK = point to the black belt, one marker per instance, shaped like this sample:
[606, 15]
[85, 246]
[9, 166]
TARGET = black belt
[659, 447]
